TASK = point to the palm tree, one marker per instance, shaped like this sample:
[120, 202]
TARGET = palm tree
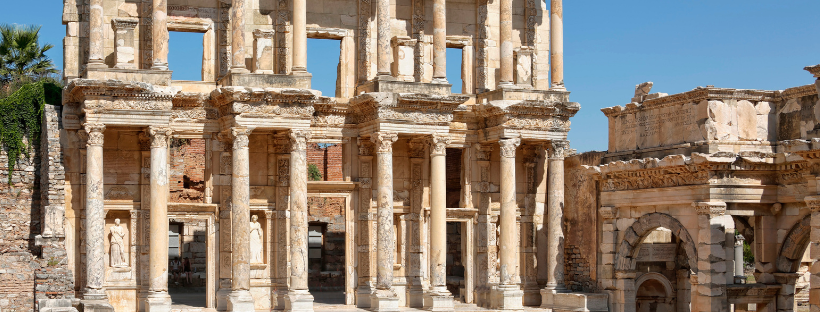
[21, 56]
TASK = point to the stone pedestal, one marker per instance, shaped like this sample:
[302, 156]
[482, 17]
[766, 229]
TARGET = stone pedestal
[296, 80]
[439, 300]
[158, 301]
[240, 301]
[508, 297]
[403, 87]
[299, 301]
[560, 302]
[384, 300]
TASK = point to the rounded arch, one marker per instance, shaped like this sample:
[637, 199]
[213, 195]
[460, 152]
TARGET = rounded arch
[635, 234]
[668, 289]
[793, 247]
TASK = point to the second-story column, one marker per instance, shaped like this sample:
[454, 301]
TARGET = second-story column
[384, 298]
[506, 43]
[510, 295]
[298, 297]
[158, 298]
[159, 35]
[240, 298]
[383, 39]
[96, 34]
[439, 41]
[555, 215]
[299, 36]
[557, 44]
[238, 36]
[94, 296]
[438, 297]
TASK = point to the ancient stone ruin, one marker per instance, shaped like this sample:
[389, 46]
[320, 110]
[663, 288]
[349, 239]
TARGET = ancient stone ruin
[249, 191]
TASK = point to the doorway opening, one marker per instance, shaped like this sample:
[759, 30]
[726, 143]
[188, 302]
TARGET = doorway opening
[453, 164]
[326, 249]
[455, 258]
[188, 262]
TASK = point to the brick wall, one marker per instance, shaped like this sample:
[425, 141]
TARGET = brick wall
[328, 159]
[187, 179]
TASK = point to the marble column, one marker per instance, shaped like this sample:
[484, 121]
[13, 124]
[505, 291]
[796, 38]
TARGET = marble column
[159, 35]
[238, 36]
[383, 39]
[96, 34]
[158, 298]
[438, 297]
[384, 298]
[555, 215]
[509, 295]
[813, 202]
[439, 41]
[240, 298]
[740, 278]
[94, 296]
[299, 36]
[711, 291]
[557, 44]
[298, 297]
[506, 43]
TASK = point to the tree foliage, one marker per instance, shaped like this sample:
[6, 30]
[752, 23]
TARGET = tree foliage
[20, 117]
[22, 58]
[313, 173]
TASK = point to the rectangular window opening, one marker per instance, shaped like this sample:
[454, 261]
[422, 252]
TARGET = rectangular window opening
[324, 161]
[453, 164]
[187, 178]
[185, 55]
[454, 74]
[323, 64]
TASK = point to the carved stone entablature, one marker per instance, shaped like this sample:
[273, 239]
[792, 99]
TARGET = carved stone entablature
[329, 115]
[797, 92]
[103, 95]
[268, 102]
[814, 70]
[712, 209]
[528, 114]
[658, 178]
[413, 108]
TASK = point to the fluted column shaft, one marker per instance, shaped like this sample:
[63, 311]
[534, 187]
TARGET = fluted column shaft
[506, 43]
[555, 215]
[240, 211]
[385, 243]
[94, 214]
[298, 210]
[299, 36]
[238, 35]
[383, 39]
[158, 261]
[438, 213]
[159, 35]
[439, 41]
[95, 33]
[557, 43]
[508, 240]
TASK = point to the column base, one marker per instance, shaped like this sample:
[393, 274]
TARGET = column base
[158, 302]
[384, 300]
[508, 297]
[440, 80]
[299, 301]
[439, 300]
[363, 296]
[415, 297]
[240, 301]
[279, 301]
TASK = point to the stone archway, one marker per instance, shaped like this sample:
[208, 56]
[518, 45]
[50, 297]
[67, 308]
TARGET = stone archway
[794, 245]
[635, 234]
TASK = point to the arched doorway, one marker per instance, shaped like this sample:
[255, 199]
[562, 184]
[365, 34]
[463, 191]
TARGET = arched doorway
[655, 294]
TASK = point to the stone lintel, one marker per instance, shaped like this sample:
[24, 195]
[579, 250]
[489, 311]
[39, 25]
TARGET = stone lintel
[294, 81]
[404, 87]
[126, 75]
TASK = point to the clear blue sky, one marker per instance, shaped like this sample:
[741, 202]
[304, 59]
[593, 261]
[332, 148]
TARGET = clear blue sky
[609, 47]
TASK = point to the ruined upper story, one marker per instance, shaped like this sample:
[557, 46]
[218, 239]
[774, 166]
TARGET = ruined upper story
[709, 120]
[273, 42]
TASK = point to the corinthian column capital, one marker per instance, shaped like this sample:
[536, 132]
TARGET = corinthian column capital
[299, 139]
[813, 202]
[558, 149]
[94, 134]
[384, 141]
[159, 136]
[239, 135]
[508, 147]
[438, 144]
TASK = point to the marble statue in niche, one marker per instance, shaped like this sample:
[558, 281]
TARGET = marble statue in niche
[117, 248]
[256, 240]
